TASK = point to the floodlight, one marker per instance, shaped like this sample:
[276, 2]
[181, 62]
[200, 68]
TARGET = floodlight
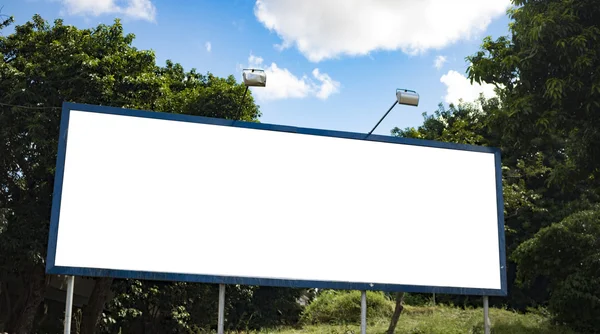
[408, 97]
[254, 77]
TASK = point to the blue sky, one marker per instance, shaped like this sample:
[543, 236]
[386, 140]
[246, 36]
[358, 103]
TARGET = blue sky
[330, 64]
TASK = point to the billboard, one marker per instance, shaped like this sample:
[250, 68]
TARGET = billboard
[165, 196]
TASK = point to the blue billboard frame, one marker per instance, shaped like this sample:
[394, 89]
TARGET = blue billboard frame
[51, 268]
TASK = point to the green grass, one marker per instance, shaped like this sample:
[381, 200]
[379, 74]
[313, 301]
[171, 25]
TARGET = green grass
[446, 320]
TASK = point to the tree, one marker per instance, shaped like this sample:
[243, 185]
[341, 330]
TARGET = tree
[41, 66]
[202, 95]
[546, 121]
[566, 254]
[480, 123]
[548, 118]
[159, 307]
[550, 83]
[398, 308]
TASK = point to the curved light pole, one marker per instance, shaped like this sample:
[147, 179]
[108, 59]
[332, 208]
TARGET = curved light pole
[403, 96]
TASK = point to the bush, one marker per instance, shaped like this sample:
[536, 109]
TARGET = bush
[418, 299]
[576, 301]
[343, 307]
[566, 254]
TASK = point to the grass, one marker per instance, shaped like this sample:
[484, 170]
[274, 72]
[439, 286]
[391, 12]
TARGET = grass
[446, 320]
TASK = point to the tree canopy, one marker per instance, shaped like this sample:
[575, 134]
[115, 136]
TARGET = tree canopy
[546, 121]
[548, 72]
[43, 65]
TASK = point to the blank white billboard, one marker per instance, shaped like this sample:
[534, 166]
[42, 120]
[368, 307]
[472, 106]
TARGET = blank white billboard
[163, 196]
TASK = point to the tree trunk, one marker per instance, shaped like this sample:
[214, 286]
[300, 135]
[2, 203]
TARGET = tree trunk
[36, 289]
[397, 311]
[92, 312]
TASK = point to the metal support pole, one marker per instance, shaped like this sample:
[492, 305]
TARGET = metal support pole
[376, 125]
[363, 312]
[69, 304]
[221, 322]
[239, 112]
[486, 315]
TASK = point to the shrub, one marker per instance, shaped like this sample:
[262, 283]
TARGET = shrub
[418, 299]
[576, 301]
[566, 254]
[343, 307]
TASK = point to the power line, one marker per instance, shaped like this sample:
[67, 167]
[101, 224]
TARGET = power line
[26, 107]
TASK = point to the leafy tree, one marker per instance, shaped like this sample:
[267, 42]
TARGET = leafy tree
[545, 120]
[202, 95]
[567, 255]
[551, 86]
[160, 307]
[41, 66]
[548, 118]
[526, 210]
[464, 123]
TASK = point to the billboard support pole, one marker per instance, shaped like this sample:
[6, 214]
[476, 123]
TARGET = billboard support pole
[486, 315]
[221, 321]
[363, 312]
[69, 304]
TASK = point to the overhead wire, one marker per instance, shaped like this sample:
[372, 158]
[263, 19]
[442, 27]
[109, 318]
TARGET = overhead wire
[27, 107]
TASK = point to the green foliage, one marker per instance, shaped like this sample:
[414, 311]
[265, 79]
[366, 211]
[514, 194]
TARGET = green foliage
[477, 123]
[159, 307]
[551, 86]
[576, 301]
[546, 122]
[567, 255]
[444, 320]
[43, 65]
[273, 307]
[418, 299]
[343, 307]
[202, 95]
[463, 124]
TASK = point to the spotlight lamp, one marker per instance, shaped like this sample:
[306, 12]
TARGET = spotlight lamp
[254, 77]
[407, 97]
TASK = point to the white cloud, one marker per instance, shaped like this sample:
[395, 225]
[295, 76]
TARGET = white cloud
[327, 87]
[439, 61]
[459, 87]
[208, 46]
[329, 28]
[255, 61]
[283, 84]
[134, 9]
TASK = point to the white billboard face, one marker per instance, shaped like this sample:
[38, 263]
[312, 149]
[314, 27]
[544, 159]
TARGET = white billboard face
[163, 196]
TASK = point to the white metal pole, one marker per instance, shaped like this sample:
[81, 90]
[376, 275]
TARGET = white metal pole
[69, 304]
[221, 322]
[363, 312]
[486, 315]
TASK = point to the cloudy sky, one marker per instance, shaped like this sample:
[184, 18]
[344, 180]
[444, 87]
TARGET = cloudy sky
[330, 64]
